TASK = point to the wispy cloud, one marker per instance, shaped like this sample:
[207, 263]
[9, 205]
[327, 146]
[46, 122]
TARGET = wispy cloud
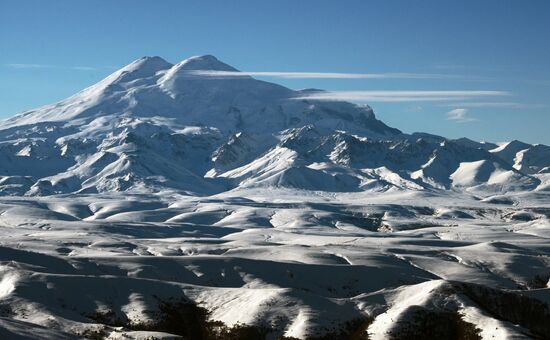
[508, 105]
[84, 68]
[414, 109]
[28, 66]
[46, 66]
[329, 75]
[460, 116]
[399, 96]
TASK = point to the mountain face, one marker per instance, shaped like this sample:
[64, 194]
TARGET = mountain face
[153, 126]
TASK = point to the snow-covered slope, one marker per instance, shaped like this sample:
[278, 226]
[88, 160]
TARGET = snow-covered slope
[154, 126]
[282, 261]
[164, 189]
[151, 87]
[530, 159]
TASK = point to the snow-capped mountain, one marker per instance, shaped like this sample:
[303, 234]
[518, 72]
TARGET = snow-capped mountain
[154, 126]
[170, 200]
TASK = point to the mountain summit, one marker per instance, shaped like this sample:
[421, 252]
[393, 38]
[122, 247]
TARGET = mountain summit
[203, 63]
[155, 126]
[151, 87]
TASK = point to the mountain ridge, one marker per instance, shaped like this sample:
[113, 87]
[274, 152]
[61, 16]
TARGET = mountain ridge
[154, 126]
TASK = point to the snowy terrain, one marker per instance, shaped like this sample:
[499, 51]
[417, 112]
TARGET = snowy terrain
[167, 184]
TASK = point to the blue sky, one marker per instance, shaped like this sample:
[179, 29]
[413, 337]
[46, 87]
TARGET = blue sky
[51, 49]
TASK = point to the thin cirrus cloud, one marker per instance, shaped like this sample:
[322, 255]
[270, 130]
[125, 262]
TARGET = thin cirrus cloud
[399, 96]
[504, 105]
[23, 66]
[46, 66]
[460, 116]
[84, 68]
[330, 75]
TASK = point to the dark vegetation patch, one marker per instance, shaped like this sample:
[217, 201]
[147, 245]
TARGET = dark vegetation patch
[513, 307]
[189, 320]
[404, 226]
[183, 318]
[371, 221]
[539, 281]
[107, 317]
[421, 323]
[352, 330]
[94, 334]
[499, 200]
[422, 210]
[519, 216]
[186, 319]
[6, 311]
